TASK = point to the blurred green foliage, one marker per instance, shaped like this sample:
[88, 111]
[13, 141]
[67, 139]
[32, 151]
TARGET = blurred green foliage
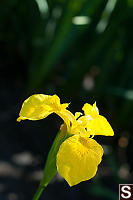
[64, 52]
[80, 49]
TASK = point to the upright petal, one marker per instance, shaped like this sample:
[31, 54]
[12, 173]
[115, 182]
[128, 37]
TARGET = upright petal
[78, 158]
[77, 115]
[96, 124]
[90, 110]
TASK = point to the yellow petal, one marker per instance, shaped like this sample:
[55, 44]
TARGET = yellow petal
[67, 116]
[78, 126]
[78, 158]
[35, 107]
[100, 126]
[39, 106]
[77, 115]
[64, 105]
[90, 110]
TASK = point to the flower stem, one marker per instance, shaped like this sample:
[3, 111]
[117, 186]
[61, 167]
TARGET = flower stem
[38, 193]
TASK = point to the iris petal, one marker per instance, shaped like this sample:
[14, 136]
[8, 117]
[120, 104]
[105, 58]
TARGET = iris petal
[91, 110]
[100, 126]
[96, 124]
[36, 107]
[78, 158]
[39, 106]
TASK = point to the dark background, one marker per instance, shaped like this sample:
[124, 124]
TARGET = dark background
[45, 48]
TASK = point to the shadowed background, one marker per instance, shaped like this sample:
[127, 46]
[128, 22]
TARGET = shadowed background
[81, 50]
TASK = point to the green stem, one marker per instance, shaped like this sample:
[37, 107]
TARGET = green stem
[38, 193]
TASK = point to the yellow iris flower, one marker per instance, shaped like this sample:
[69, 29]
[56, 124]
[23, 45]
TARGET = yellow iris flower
[79, 155]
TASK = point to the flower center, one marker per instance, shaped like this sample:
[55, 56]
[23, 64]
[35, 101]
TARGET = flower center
[84, 142]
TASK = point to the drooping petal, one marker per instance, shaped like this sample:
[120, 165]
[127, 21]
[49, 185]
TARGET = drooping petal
[35, 107]
[78, 158]
[100, 126]
[39, 106]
